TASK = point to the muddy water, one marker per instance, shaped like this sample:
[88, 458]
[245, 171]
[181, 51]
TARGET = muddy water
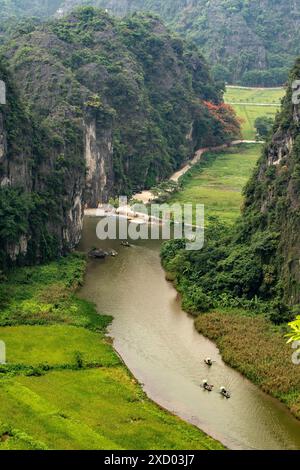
[160, 346]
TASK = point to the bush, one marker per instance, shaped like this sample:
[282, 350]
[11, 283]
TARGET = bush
[195, 301]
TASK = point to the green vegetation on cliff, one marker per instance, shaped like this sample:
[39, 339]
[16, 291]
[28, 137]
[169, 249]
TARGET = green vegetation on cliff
[257, 261]
[144, 90]
[245, 40]
[251, 104]
[243, 286]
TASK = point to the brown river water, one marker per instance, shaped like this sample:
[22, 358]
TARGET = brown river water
[159, 344]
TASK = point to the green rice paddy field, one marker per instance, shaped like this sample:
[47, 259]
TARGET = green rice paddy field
[63, 386]
[251, 103]
[218, 180]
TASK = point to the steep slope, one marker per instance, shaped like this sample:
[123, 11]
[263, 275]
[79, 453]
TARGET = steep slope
[120, 104]
[137, 94]
[244, 40]
[40, 194]
[273, 195]
[256, 264]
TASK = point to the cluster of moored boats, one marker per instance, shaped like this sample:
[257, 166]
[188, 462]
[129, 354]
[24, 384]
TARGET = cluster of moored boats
[102, 254]
[209, 387]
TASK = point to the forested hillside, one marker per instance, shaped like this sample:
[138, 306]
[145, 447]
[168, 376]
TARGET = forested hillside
[255, 264]
[40, 193]
[245, 41]
[123, 99]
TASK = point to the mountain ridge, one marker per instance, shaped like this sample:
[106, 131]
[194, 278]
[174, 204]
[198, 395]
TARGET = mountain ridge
[243, 40]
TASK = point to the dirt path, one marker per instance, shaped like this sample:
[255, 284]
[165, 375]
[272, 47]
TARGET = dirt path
[249, 103]
[147, 196]
[255, 87]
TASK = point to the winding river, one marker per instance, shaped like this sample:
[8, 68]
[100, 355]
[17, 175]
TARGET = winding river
[159, 344]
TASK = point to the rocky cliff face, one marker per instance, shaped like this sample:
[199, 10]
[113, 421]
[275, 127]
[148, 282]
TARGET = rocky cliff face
[273, 195]
[124, 93]
[244, 40]
[113, 106]
[41, 199]
[99, 162]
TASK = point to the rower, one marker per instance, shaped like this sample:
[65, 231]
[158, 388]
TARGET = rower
[224, 392]
[208, 361]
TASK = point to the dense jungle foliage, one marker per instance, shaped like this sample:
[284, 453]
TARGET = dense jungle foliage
[132, 74]
[244, 40]
[29, 201]
[255, 263]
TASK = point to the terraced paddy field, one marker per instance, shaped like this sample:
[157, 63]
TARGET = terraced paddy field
[251, 103]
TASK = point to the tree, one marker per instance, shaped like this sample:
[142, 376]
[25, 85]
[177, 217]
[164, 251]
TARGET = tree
[264, 126]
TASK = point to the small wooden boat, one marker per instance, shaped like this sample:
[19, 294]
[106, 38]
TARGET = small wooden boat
[208, 361]
[98, 254]
[225, 393]
[207, 386]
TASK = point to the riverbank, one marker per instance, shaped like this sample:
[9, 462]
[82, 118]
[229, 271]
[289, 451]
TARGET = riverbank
[257, 348]
[64, 386]
[147, 196]
[249, 342]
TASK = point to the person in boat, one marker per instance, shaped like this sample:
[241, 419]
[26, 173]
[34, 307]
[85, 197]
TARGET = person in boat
[224, 392]
[208, 361]
[207, 386]
[125, 243]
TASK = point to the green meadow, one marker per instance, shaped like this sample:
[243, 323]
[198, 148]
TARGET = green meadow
[63, 386]
[30, 346]
[218, 180]
[255, 95]
[251, 103]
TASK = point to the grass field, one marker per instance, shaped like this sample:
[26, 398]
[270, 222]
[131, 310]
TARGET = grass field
[248, 114]
[63, 386]
[255, 95]
[249, 105]
[217, 181]
[55, 345]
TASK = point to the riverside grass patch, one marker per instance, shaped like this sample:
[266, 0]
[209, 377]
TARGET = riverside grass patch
[217, 181]
[257, 349]
[64, 387]
[55, 345]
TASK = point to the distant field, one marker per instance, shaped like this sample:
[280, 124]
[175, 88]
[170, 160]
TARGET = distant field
[249, 113]
[255, 95]
[217, 181]
[254, 103]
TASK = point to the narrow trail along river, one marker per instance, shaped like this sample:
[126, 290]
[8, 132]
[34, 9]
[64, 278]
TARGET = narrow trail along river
[159, 344]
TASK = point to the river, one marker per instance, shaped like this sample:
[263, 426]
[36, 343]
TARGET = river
[159, 344]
